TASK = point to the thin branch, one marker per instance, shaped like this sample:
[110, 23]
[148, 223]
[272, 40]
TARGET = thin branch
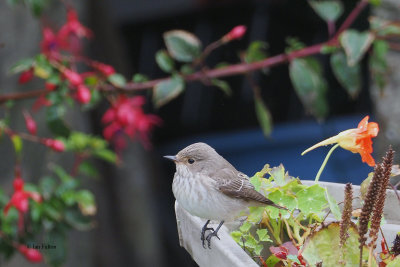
[231, 70]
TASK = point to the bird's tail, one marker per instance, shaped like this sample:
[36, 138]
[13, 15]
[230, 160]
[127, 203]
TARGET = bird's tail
[271, 203]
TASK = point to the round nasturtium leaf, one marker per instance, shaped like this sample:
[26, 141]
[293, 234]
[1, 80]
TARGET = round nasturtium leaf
[311, 199]
[323, 245]
[281, 199]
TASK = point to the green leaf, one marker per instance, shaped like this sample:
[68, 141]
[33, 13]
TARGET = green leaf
[22, 65]
[223, 85]
[118, 80]
[245, 228]
[182, 46]
[17, 142]
[375, 2]
[355, 44]
[236, 235]
[256, 214]
[55, 122]
[328, 49]
[263, 235]
[164, 61]
[86, 202]
[47, 186]
[315, 248]
[272, 260]
[37, 6]
[251, 242]
[348, 76]
[186, 69]
[311, 199]
[106, 154]
[78, 221]
[307, 78]
[88, 169]
[327, 10]
[264, 116]
[382, 27]
[42, 67]
[52, 212]
[377, 63]
[395, 262]
[288, 201]
[167, 90]
[334, 207]
[256, 51]
[139, 78]
[278, 174]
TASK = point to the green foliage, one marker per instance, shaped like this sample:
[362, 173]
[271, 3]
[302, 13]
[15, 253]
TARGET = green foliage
[223, 85]
[182, 45]
[167, 90]
[89, 145]
[327, 10]
[118, 80]
[348, 76]
[355, 44]
[377, 63]
[315, 247]
[263, 115]
[270, 223]
[307, 78]
[22, 65]
[164, 61]
[256, 51]
[54, 119]
[139, 78]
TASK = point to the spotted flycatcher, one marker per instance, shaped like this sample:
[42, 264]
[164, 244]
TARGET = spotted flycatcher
[208, 186]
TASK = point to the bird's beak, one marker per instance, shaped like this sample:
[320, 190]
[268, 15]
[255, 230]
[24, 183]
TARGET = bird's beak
[173, 158]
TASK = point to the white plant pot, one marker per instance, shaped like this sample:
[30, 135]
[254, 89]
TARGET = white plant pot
[227, 253]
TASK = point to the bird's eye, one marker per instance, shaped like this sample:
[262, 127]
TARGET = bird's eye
[190, 161]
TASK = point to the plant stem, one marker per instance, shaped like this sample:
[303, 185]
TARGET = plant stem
[324, 163]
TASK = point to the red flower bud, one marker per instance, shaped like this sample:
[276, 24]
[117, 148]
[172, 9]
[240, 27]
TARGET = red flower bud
[50, 86]
[18, 184]
[107, 70]
[30, 254]
[73, 77]
[83, 94]
[236, 33]
[54, 144]
[26, 76]
[30, 123]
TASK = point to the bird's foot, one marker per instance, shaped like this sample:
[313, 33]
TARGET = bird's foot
[203, 233]
[209, 236]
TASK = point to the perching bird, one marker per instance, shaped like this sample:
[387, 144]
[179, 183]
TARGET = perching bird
[208, 186]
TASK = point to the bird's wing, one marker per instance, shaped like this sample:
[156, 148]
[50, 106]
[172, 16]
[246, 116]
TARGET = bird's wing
[236, 184]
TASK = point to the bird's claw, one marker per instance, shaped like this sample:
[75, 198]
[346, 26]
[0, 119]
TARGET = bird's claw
[208, 238]
[203, 232]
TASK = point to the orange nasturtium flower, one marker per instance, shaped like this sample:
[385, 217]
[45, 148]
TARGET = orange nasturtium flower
[356, 140]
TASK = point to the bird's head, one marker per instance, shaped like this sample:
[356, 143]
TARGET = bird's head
[198, 158]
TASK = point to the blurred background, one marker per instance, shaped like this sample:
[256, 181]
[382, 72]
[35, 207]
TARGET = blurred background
[135, 223]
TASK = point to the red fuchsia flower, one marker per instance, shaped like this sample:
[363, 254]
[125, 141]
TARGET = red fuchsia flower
[126, 115]
[236, 33]
[50, 86]
[83, 94]
[20, 200]
[73, 77]
[54, 144]
[32, 255]
[25, 76]
[71, 32]
[40, 102]
[49, 45]
[358, 140]
[30, 123]
[105, 69]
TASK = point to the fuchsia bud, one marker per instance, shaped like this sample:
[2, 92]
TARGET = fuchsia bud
[73, 77]
[83, 94]
[30, 123]
[30, 254]
[54, 144]
[50, 86]
[26, 76]
[107, 70]
[236, 33]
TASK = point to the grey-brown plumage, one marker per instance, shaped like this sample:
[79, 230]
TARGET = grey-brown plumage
[208, 186]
